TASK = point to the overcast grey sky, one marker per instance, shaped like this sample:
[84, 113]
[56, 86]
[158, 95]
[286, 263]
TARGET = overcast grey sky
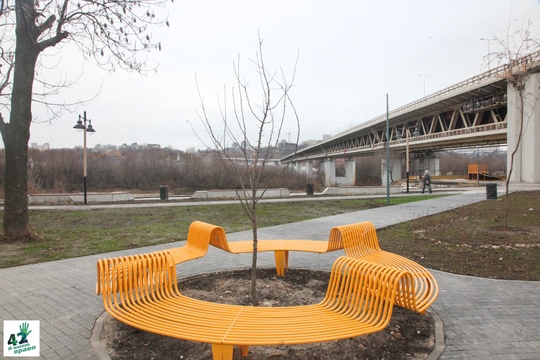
[351, 53]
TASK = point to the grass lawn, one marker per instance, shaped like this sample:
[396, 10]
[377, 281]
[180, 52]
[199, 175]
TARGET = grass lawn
[60, 234]
[471, 240]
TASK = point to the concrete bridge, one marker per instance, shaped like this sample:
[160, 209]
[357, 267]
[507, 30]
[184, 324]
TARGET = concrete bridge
[485, 110]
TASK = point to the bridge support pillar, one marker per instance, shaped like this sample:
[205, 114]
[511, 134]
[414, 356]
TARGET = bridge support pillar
[298, 166]
[395, 168]
[350, 173]
[329, 167]
[309, 169]
[526, 166]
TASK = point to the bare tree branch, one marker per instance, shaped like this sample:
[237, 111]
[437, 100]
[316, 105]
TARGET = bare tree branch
[113, 32]
[517, 46]
[256, 129]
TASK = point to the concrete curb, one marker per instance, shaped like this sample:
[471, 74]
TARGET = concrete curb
[440, 345]
[99, 347]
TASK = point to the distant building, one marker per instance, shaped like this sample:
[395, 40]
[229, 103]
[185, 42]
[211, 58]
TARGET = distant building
[45, 146]
[135, 146]
[151, 146]
[105, 148]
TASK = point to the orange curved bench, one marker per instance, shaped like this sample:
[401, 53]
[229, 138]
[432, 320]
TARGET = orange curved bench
[360, 242]
[199, 236]
[141, 291]
[280, 248]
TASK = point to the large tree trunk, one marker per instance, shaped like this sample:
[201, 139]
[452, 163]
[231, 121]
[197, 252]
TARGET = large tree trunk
[15, 182]
[16, 133]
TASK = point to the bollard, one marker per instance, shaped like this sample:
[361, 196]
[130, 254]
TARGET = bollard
[309, 189]
[164, 192]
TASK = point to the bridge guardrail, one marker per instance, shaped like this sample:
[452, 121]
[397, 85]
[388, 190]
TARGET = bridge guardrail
[499, 70]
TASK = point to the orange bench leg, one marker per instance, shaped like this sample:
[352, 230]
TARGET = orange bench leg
[244, 349]
[222, 352]
[282, 261]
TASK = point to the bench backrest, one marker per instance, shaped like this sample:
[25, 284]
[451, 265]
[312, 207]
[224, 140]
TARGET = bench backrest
[334, 243]
[358, 239]
[132, 279]
[219, 239]
[200, 235]
[366, 290]
[358, 289]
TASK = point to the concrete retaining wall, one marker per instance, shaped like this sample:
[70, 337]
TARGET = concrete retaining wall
[360, 190]
[227, 194]
[79, 198]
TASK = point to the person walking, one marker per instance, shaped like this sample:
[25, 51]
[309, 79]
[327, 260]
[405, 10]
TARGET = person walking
[427, 182]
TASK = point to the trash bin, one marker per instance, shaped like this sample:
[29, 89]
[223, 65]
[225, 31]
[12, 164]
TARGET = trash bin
[164, 192]
[309, 189]
[491, 191]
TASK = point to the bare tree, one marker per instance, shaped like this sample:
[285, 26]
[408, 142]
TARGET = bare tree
[518, 48]
[368, 171]
[113, 32]
[256, 129]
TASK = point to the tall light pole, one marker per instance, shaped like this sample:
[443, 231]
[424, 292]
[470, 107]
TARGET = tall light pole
[489, 50]
[478, 164]
[424, 76]
[387, 154]
[81, 126]
[407, 152]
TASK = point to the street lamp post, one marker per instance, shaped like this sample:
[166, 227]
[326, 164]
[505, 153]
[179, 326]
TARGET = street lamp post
[387, 154]
[407, 152]
[81, 126]
[407, 158]
[424, 76]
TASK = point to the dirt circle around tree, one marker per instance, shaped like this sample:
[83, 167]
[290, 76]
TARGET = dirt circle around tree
[408, 335]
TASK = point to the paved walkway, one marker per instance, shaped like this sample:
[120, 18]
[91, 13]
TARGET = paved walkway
[483, 319]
